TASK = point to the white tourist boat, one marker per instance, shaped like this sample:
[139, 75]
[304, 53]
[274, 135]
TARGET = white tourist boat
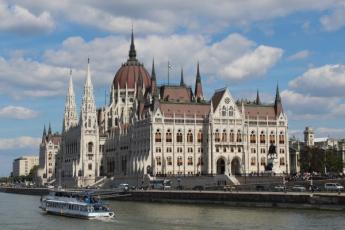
[77, 205]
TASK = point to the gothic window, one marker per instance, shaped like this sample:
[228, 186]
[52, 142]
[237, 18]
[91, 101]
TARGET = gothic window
[179, 150]
[169, 150]
[272, 138]
[263, 161]
[282, 161]
[190, 160]
[179, 161]
[158, 136]
[179, 137]
[89, 123]
[217, 136]
[253, 161]
[252, 137]
[168, 136]
[281, 151]
[262, 137]
[90, 166]
[158, 160]
[90, 147]
[253, 150]
[231, 111]
[116, 121]
[232, 136]
[169, 160]
[262, 150]
[239, 136]
[200, 136]
[158, 150]
[200, 161]
[281, 138]
[190, 136]
[224, 111]
[239, 149]
[224, 136]
[190, 150]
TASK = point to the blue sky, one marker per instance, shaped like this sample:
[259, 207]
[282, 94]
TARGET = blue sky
[244, 45]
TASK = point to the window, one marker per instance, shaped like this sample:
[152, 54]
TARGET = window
[159, 161]
[190, 136]
[90, 157]
[89, 123]
[253, 161]
[179, 150]
[252, 137]
[217, 136]
[169, 160]
[179, 161]
[217, 149]
[262, 137]
[158, 150]
[282, 151]
[231, 111]
[158, 136]
[232, 149]
[232, 136]
[190, 150]
[224, 136]
[281, 138]
[169, 150]
[168, 136]
[224, 111]
[262, 150]
[263, 161]
[272, 138]
[239, 149]
[200, 136]
[239, 136]
[179, 137]
[253, 150]
[190, 160]
[282, 161]
[200, 161]
[224, 149]
[90, 166]
[90, 147]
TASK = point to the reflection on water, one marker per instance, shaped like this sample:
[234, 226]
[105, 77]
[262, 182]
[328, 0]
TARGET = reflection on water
[22, 212]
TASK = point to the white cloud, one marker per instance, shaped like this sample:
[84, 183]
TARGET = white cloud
[19, 142]
[327, 81]
[17, 19]
[330, 132]
[17, 112]
[299, 55]
[335, 20]
[255, 63]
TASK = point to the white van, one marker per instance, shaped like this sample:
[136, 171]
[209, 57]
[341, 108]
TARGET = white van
[333, 187]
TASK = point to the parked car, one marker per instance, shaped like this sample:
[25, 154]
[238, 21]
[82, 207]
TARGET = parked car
[123, 187]
[298, 188]
[333, 187]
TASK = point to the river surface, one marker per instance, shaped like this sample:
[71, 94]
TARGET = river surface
[22, 212]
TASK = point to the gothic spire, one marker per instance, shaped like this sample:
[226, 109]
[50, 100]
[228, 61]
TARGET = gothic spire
[70, 116]
[278, 107]
[182, 80]
[44, 131]
[153, 74]
[258, 102]
[49, 129]
[198, 78]
[278, 99]
[132, 53]
[198, 87]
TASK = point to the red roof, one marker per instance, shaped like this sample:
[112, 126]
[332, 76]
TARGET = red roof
[184, 109]
[261, 111]
[176, 93]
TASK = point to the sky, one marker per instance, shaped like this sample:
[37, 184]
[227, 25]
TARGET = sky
[244, 45]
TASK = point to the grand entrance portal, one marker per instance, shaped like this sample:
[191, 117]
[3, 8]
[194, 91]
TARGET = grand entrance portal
[220, 166]
[235, 166]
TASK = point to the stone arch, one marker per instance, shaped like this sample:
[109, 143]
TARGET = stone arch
[220, 166]
[236, 166]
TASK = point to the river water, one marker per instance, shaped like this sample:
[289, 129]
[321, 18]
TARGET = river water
[22, 212]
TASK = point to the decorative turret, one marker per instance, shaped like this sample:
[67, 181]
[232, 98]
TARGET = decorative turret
[44, 134]
[49, 130]
[182, 80]
[198, 87]
[70, 116]
[132, 53]
[278, 107]
[257, 101]
[153, 80]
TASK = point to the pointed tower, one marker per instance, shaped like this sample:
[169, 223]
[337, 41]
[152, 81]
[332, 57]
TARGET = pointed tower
[132, 53]
[278, 107]
[257, 101]
[182, 80]
[49, 130]
[44, 134]
[70, 116]
[153, 80]
[198, 87]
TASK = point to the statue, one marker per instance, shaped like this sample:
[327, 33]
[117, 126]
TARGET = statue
[272, 160]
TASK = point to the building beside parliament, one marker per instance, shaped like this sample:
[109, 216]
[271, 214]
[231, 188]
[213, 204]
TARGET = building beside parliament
[166, 130]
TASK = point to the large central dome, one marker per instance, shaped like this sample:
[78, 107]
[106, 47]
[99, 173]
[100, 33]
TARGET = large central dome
[132, 72]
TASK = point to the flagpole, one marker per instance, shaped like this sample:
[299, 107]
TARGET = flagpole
[168, 71]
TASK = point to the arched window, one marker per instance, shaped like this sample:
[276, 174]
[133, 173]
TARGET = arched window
[179, 161]
[190, 136]
[272, 138]
[158, 161]
[200, 161]
[263, 161]
[90, 147]
[224, 111]
[169, 160]
[224, 136]
[281, 138]
[252, 137]
[239, 136]
[262, 137]
[231, 111]
[200, 136]
[179, 137]
[232, 136]
[158, 136]
[89, 123]
[168, 136]
[217, 136]
[90, 166]
[282, 161]
[253, 161]
[190, 160]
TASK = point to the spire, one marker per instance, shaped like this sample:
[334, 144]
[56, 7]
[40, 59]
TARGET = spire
[278, 107]
[44, 131]
[49, 129]
[132, 53]
[88, 73]
[198, 87]
[70, 116]
[153, 74]
[198, 78]
[182, 80]
[258, 102]
[278, 99]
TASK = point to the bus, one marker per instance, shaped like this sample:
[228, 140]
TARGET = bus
[162, 184]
